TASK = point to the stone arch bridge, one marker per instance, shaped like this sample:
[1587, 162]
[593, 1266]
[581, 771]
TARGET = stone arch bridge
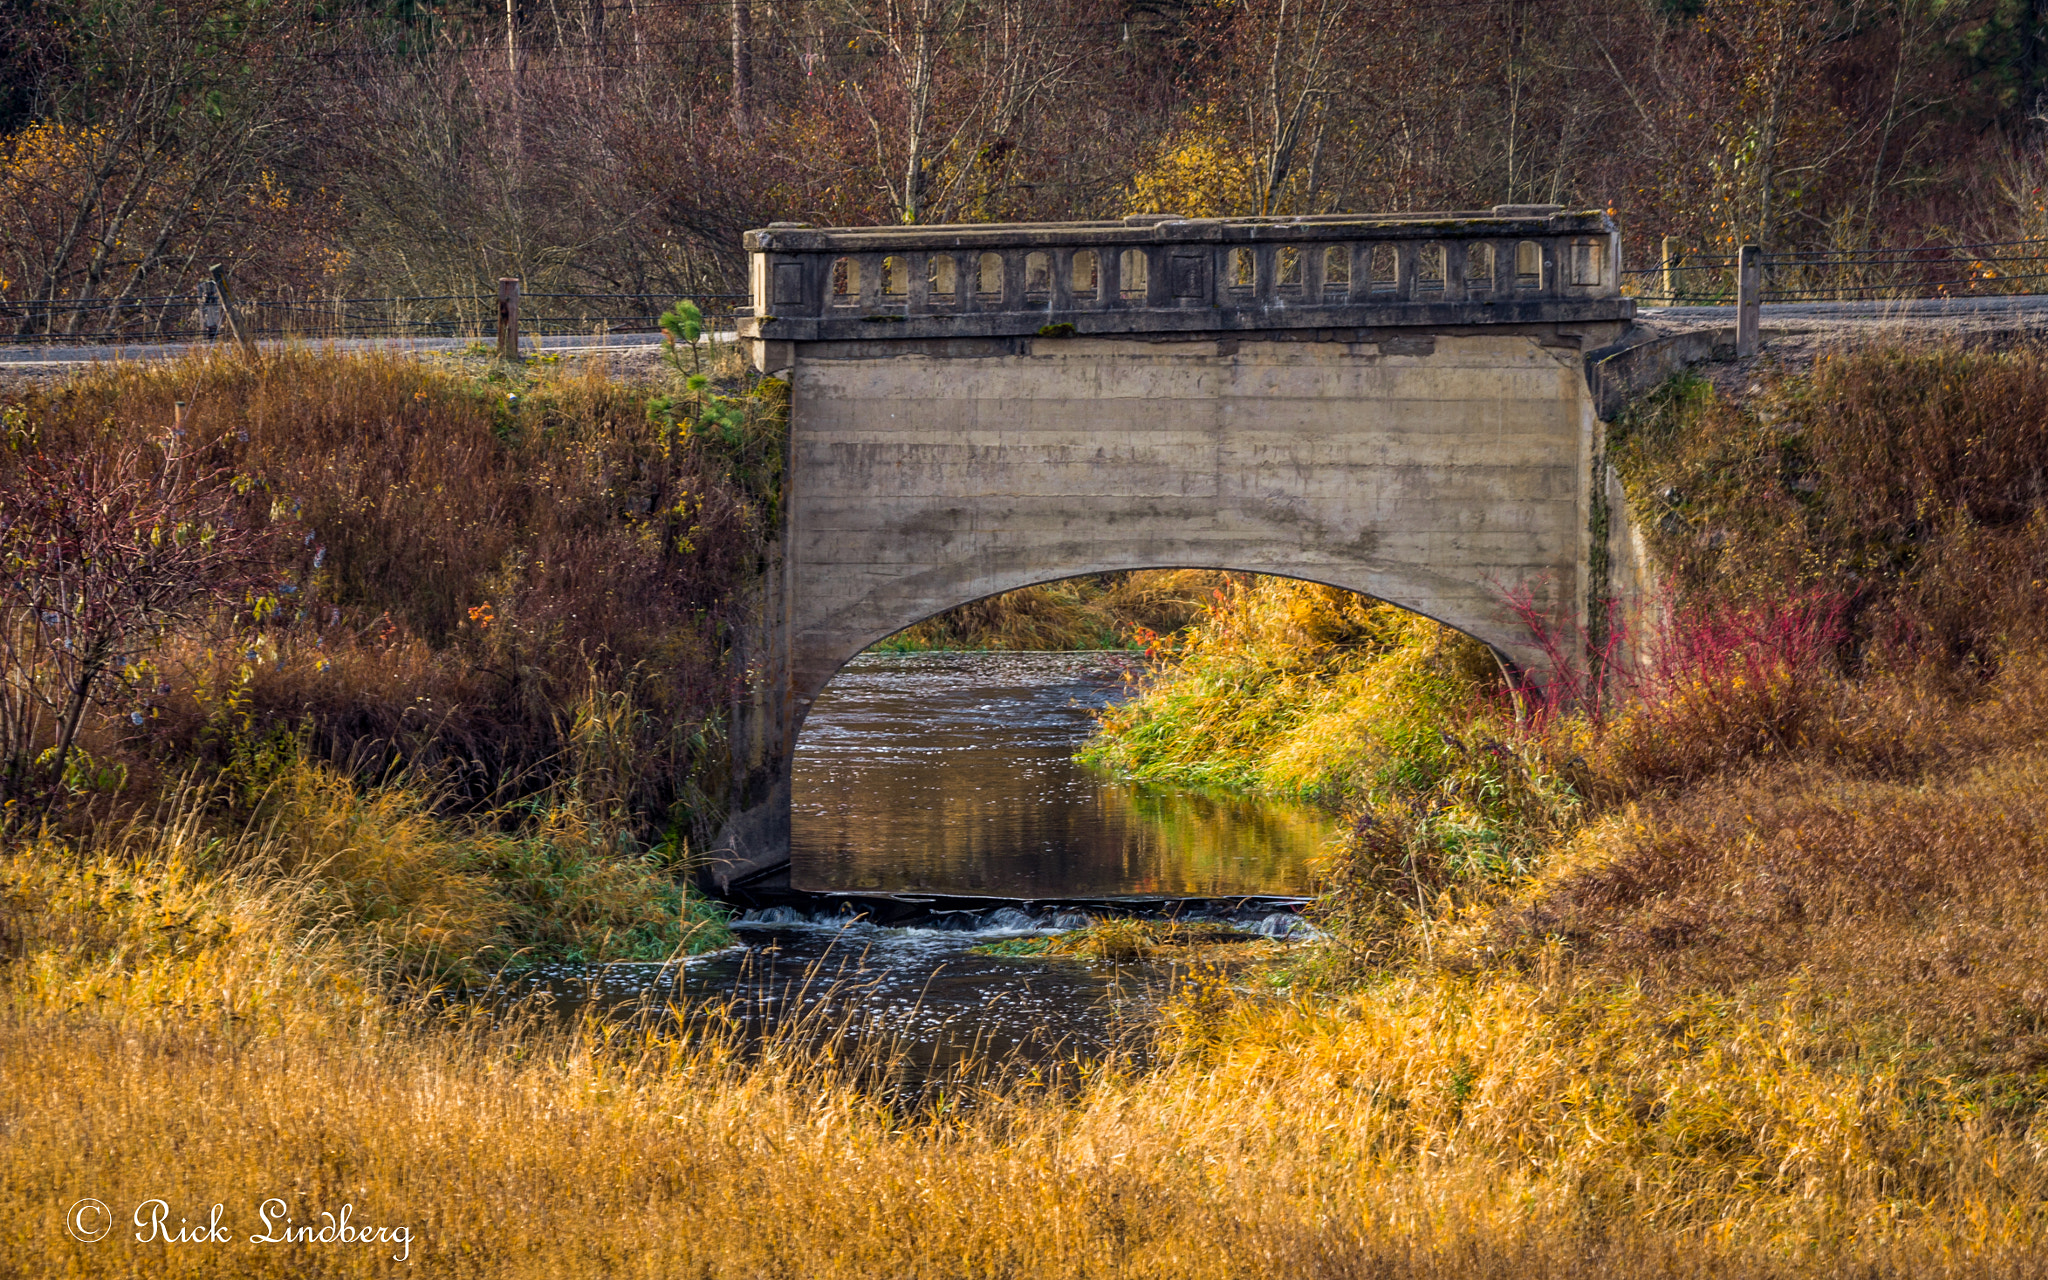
[1399, 405]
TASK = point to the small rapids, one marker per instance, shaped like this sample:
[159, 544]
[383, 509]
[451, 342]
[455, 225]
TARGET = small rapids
[938, 808]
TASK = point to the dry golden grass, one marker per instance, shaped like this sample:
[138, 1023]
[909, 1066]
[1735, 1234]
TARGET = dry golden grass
[1554, 1124]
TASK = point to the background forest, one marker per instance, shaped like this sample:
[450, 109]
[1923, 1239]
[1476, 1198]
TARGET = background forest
[416, 147]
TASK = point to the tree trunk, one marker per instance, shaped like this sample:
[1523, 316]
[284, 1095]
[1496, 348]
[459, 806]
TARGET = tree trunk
[742, 57]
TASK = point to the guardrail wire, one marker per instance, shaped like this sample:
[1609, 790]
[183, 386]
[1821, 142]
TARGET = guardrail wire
[1989, 269]
[179, 317]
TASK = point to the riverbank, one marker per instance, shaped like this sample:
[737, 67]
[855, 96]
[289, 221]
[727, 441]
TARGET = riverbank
[1783, 896]
[1737, 981]
[1429, 1123]
[451, 633]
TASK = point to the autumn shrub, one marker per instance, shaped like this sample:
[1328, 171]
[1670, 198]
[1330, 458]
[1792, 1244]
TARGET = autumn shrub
[101, 552]
[480, 552]
[1719, 682]
[1908, 482]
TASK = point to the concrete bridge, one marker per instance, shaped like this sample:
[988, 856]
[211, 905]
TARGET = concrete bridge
[1400, 406]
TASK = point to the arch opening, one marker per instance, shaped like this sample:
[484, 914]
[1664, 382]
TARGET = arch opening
[945, 762]
[1096, 608]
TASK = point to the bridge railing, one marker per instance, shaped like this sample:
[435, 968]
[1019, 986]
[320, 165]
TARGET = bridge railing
[1161, 271]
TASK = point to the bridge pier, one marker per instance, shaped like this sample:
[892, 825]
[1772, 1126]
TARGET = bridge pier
[1417, 426]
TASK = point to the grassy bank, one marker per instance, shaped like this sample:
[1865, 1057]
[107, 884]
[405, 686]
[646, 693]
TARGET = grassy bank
[1806, 840]
[1740, 981]
[453, 634]
[1432, 1123]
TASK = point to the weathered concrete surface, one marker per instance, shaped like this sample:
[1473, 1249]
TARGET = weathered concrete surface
[1435, 471]
[921, 482]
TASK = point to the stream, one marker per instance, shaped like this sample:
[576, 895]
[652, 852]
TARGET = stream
[937, 807]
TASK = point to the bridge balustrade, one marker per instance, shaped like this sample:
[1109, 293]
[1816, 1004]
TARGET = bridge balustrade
[1512, 263]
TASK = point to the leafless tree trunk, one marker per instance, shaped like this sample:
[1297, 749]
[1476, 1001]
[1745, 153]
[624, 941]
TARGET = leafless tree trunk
[742, 58]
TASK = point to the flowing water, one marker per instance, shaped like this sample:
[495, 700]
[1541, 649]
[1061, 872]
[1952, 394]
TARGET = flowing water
[937, 797]
[954, 773]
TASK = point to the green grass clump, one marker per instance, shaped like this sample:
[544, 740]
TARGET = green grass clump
[1299, 689]
[427, 895]
[1123, 940]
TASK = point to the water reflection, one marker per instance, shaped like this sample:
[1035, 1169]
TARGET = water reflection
[953, 773]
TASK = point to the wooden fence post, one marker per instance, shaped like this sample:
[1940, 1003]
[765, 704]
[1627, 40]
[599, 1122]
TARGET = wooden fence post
[508, 318]
[1749, 288]
[1674, 253]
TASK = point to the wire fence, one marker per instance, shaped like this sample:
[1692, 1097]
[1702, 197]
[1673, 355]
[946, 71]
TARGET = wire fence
[1992, 269]
[183, 317]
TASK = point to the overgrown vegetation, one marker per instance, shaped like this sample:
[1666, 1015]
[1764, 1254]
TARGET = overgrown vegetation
[1738, 980]
[1101, 611]
[501, 580]
[454, 637]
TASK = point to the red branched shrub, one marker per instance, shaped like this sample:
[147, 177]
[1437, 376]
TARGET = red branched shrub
[1721, 682]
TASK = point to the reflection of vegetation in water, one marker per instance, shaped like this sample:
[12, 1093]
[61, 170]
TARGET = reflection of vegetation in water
[1204, 837]
[1137, 839]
